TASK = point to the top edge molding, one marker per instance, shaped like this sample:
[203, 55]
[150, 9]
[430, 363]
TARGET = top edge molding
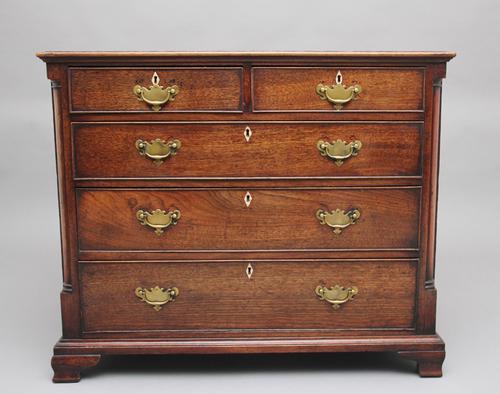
[130, 57]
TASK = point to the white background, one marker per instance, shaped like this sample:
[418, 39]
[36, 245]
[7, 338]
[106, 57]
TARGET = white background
[467, 267]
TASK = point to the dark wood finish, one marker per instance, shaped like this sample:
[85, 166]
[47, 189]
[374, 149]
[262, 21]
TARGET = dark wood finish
[290, 344]
[249, 183]
[276, 219]
[70, 296]
[426, 310]
[251, 255]
[110, 90]
[279, 295]
[429, 363]
[244, 117]
[294, 89]
[67, 368]
[277, 57]
[220, 150]
[396, 173]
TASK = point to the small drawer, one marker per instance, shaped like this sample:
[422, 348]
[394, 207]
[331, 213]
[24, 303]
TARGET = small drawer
[248, 219]
[303, 89]
[325, 295]
[156, 89]
[286, 150]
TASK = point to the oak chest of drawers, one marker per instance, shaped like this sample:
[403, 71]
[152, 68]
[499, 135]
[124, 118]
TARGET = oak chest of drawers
[247, 202]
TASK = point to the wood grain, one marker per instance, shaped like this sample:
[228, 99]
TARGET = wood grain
[110, 89]
[67, 368]
[201, 57]
[275, 219]
[220, 296]
[245, 117]
[294, 89]
[220, 150]
[429, 363]
[245, 345]
[106, 253]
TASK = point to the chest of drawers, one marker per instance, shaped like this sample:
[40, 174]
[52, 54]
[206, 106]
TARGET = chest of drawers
[247, 203]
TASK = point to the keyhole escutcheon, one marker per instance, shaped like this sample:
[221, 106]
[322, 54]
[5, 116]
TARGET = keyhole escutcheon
[249, 270]
[247, 199]
[247, 133]
[338, 78]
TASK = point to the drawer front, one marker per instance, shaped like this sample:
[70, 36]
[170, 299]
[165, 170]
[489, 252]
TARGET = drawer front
[221, 296]
[113, 89]
[295, 89]
[275, 219]
[110, 150]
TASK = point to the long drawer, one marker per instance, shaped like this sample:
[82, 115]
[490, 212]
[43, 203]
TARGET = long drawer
[210, 295]
[254, 219]
[145, 150]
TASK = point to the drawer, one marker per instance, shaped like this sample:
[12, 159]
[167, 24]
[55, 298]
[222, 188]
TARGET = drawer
[278, 295]
[279, 89]
[195, 89]
[254, 219]
[111, 150]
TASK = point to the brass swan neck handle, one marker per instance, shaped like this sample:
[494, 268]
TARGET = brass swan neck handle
[338, 94]
[156, 95]
[157, 296]
[339, 150]
[338, 219]
[158, 219]
[336, 295]
[158, 150]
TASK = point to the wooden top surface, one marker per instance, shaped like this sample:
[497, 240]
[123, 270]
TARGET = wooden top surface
[110, 57]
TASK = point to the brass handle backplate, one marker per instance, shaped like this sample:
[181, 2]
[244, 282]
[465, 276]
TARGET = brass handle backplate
[156, 95]
[158, 219]
[338, 219]
[157, 150]
[339, 150]
[157, 296]
[338, 94]
[336, 295]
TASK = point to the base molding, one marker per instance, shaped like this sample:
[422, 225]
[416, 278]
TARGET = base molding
[73, 355]
[251, 345]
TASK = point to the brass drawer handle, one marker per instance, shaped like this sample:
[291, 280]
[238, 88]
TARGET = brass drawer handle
[338, 219]
[339, 150]
[336, 295]
[158, 219]
[157, 296]
[158, 150]
[338, 94]
[156, 95]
